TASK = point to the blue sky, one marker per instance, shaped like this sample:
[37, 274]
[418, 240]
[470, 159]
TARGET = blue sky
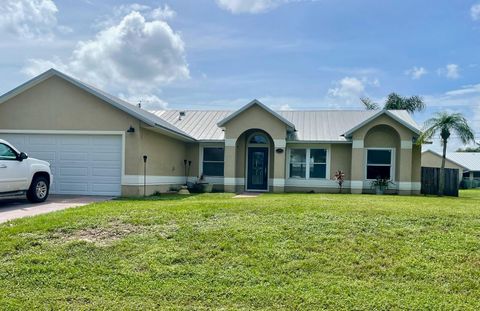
[220, 54]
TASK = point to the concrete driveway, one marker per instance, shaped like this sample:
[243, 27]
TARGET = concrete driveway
[18, 208]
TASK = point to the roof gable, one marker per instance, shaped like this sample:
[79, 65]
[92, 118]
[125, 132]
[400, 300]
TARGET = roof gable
[254, 102]
[400, 116]
[136, 112]
[447, 158]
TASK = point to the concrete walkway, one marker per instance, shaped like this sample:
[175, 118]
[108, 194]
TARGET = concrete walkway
[18, 208]
[247, 195]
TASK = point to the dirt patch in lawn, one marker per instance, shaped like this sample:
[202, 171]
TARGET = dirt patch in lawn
[105, 235]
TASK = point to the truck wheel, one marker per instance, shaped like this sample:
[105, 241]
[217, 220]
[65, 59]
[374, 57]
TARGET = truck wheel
[39, 189]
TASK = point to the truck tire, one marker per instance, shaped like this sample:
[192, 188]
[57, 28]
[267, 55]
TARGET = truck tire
[39, 190]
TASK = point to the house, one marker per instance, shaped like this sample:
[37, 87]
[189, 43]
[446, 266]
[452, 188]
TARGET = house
[431, 158]
[468, 163]
[96, 143]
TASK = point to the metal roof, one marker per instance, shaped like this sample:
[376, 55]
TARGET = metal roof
[469, 160]
[200, 124]
[310, 125]
[324, 125]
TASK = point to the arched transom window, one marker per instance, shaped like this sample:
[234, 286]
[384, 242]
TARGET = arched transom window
[258, 139]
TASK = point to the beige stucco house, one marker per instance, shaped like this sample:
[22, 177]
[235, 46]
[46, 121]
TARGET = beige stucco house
[96, 143]
[467, 163]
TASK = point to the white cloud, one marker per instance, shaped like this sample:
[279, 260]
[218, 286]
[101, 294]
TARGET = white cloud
[349, 88]
[28, 19]
[285, 107]
[37, 66]
[348, 91]
[475, 12]
[119, 12]
[249, 6]
[451, 71]
[164, 13]
[135, 56]
[127, 8]
[465, 90]
[159, 13]
[361, 71]
[416, 72]
[252, 6]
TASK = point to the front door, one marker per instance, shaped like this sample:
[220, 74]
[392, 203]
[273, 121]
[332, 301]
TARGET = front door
[257, 171]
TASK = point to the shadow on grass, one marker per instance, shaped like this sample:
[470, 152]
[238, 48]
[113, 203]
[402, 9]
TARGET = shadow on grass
[160, 197]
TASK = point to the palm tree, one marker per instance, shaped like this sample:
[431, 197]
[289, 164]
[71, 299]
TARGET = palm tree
[369, 104]
[397, 102]
[444, 124]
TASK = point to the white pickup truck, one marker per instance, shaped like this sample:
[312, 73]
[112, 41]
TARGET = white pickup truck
[20, 175]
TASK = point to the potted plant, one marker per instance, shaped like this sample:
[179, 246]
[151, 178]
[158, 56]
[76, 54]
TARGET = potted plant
[201, 186]
[380, 185]
[205, 186]
[339, 177]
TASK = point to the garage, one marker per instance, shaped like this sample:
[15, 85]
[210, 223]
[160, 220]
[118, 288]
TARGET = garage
[81, 164]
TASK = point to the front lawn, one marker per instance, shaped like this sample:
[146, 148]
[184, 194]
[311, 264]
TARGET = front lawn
[289, 251]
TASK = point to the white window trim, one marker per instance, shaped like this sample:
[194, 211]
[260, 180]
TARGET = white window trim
[200, 158]
[307, 166]
[392, 162]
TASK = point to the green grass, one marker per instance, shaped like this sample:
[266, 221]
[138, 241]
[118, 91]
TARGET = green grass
[289, 251]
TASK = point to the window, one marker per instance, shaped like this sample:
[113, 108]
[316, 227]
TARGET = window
[213, 164]
[298, 163]
[318, 163]
[379, 163]
[7, 153]
[258, 139]
[476, 175]
[315, 167]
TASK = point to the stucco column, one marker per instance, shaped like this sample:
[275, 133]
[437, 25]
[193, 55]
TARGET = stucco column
[358, 166]
[229, 164]
[405, 169]
[279, 160]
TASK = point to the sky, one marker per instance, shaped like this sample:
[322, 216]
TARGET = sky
[221, 54]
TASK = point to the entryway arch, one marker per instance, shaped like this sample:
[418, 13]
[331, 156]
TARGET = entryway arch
[257, 167]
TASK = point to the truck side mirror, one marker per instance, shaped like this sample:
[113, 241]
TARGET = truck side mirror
[22, 156]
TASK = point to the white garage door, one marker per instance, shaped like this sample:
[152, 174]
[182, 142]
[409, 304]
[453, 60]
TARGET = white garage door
[81, 164]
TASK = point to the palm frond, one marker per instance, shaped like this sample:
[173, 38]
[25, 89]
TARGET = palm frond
[369, 104]
[444, 123]
[410, 104]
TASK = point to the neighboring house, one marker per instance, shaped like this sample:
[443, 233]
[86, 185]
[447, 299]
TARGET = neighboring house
[96, 143]
[468, 163]
[431, 158]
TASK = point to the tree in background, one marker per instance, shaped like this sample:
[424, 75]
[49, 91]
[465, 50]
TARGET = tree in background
[396, 102]
[470, 149]
[444, 124]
